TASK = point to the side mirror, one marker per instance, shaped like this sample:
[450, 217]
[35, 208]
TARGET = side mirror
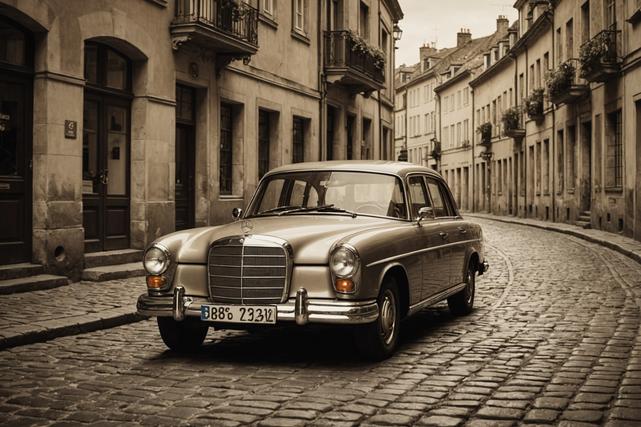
[236, 213]
[424, 213]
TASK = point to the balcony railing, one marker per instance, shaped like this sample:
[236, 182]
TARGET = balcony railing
[563, 84]
[352, 62]
[534, 106]
[485, 130]
[600, 57]
[226, 26]
[513, 123]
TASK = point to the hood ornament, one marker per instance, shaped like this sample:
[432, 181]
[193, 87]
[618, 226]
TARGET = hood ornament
[246, 226]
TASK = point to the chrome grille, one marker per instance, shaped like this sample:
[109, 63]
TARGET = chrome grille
[248, 270]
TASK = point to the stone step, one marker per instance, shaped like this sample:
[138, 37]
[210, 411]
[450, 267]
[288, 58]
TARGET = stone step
[584, 218]
[32, 283]
[121, 256]
[16, 271]
[111, 272]
[584, 224]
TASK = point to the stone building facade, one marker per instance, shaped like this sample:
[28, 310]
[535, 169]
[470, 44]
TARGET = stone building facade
[126, 120]
[564, 142]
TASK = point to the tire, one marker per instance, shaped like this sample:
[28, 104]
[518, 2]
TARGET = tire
[462, 302]
[378, 340]
[185, 336]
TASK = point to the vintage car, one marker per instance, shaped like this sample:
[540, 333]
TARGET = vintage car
[359, 243]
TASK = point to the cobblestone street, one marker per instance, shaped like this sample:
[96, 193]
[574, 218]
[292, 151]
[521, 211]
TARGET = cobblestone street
[554, 339]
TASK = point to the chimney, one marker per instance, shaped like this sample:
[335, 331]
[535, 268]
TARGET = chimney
[502, 24]
[463, 37]
[426, 51]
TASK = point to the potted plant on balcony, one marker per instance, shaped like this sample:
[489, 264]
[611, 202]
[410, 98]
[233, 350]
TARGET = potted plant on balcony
[598, 57]
[534, 105]
[361, 46]
[561, 84]
[436, 151]
[512, 123]
[485, 130]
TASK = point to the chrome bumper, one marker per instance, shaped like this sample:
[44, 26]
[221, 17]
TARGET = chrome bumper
[301, 309]
[484, 267]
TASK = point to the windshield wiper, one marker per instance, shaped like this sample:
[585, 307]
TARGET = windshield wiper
[280, 208]
[321, 208]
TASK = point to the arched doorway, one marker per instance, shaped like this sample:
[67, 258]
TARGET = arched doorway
[16, 130]
[106, 148]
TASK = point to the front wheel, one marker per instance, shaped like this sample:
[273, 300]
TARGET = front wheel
[183, 336]
[462, 302]
[377, 340]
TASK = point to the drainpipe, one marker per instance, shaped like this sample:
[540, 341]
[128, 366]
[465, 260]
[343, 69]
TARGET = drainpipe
[378, 93]
[550, 17]
[440, 136]
[321, 82]
[525, 147]
[473, 151]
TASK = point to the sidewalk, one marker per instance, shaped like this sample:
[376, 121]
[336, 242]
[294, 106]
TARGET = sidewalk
[68, 310]
[625, 245]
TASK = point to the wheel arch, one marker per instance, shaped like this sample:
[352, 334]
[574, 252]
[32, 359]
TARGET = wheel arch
[397, 271]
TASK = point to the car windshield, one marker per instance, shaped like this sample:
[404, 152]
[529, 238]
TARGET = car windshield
[353, 193]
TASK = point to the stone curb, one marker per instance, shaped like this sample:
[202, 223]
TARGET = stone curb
[635, 255]
[76, 325]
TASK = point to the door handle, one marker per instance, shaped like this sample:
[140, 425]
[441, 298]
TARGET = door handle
[462, 230]
[443, 235]
[104, 177]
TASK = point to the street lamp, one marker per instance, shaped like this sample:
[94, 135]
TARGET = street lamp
[398, 33]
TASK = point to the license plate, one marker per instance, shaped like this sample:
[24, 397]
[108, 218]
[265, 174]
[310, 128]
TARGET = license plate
[238, 313]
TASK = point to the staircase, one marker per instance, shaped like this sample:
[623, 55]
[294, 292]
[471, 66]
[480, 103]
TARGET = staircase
[111, 265]
[584, 220]
[26, 277]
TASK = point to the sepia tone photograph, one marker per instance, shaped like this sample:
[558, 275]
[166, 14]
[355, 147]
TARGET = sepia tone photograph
[320, 213]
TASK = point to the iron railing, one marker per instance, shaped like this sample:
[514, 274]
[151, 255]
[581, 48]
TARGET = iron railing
[343, 51]
[235, 18]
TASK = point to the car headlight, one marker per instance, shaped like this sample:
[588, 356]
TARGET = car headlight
[344, 262]
[156, 260]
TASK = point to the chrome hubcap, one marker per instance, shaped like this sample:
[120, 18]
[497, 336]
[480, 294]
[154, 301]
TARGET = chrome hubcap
[469, 289]
[388, 317]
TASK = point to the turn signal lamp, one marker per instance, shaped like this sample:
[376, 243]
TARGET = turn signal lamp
[344, 286]
[155, 282]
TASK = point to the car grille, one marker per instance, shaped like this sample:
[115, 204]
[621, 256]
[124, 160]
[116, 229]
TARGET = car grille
[247, 270]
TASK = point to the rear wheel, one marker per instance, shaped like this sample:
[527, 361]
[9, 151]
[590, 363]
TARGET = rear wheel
[462, 302]
[377, 340]
[183, 336]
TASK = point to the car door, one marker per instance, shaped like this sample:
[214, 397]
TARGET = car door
[457, 236]
[446, 229]
[432, 270]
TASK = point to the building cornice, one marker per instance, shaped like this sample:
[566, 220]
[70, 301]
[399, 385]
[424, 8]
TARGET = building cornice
[395, 9]
[448, 83]
[494, 68]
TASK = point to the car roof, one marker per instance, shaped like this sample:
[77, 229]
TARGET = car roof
[381, 166]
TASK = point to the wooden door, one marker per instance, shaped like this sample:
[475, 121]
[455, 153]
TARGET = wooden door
[105, 173]
[15, 167]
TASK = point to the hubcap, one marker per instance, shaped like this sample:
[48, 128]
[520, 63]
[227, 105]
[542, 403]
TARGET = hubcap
[388, 317]
[469, 289]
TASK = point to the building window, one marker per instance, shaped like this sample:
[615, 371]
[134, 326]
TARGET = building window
[263, 142]
[226, 149]
[300, 126]
[585, 22]
[538, 168]
[614, 155]
[300, 12]
[466, 96]
[571, 157]
[559, 47]
[545, 172]
[609, 14]
[363, 21]
[560, 164]
[569, 38]
[267, 7]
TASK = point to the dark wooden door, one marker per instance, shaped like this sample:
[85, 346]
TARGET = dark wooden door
[15, 167]
[105, 172]
[185, 166]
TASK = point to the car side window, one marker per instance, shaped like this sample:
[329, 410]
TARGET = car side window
[450, 204]
[418, 194]
[440, 209]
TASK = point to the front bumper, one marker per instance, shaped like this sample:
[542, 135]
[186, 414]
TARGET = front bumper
[301, 309]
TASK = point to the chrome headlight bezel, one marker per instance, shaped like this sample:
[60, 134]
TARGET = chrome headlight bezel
[346, 252]
[166, 263]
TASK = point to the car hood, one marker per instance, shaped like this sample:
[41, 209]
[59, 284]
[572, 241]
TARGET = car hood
[311, 236]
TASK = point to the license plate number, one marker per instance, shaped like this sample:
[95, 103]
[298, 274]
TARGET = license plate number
[238, 313]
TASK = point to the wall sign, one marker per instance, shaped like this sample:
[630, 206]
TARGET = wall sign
[71, 129]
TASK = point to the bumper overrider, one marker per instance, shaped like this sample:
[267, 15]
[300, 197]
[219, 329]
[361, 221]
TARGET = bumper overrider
[301, 309]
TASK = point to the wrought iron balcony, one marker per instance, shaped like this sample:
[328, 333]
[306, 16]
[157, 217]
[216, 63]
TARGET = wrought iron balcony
[485, 130]
[352, 63]
[534, 105]
[564, 86]
[513, 123]
[600, 57]
[228, 27]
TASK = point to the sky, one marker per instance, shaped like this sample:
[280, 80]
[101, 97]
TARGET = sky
[438, 21]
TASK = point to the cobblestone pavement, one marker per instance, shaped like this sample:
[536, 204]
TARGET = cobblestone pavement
[79, 303]
[554, 340]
